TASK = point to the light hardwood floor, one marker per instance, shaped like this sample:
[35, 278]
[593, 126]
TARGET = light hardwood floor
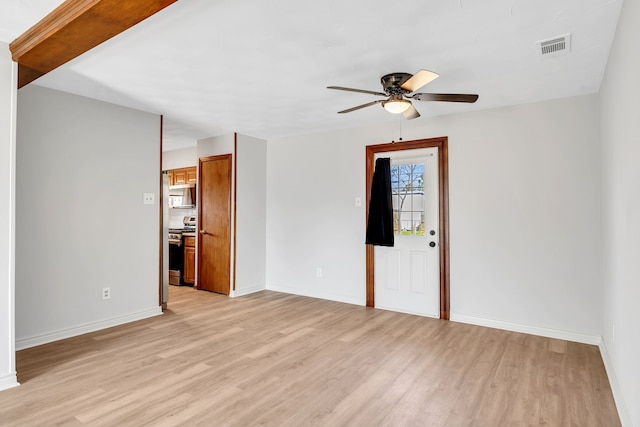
[282, 360]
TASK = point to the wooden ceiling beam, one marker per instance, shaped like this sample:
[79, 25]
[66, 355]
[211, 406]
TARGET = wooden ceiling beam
[73, 28]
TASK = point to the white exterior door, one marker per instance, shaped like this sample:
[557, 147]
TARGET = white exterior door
[407, 276]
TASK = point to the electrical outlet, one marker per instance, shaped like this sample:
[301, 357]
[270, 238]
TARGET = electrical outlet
[106, 293]
[148, 198]
[318, 272]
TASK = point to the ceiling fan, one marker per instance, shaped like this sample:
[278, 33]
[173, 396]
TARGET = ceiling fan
[400, 87]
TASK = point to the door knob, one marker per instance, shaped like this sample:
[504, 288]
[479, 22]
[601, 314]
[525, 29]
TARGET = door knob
[203, 231]
[432, 244]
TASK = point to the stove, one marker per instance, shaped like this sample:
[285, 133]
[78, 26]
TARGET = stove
[189, 229]
[176, 253]
[175, 236]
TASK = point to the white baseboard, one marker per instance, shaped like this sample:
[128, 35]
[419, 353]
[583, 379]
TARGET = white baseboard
[246, 291]
[21, 344]
[9, 381]
[314, 294]
[526, 329]
[623, 412]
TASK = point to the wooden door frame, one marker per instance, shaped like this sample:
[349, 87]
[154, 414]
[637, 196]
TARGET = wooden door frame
[200, 204]
[161, 219]
[443, 189]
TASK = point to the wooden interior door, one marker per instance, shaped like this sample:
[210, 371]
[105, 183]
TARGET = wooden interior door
[214, 223]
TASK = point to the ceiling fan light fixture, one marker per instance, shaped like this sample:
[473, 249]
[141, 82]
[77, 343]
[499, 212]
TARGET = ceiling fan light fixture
[396, 106]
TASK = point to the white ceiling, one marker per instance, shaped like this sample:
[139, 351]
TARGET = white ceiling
[261, 67]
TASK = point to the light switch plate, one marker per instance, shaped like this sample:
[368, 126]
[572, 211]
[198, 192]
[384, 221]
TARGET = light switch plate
[148, 198]
[358, 202]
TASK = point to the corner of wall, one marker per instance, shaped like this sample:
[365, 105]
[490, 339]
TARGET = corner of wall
[8, 115]
[9, 381]
[623, 412]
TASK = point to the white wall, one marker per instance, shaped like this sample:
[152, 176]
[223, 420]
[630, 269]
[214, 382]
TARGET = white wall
[524, 212]
[251, 205]
[182, 158]
[82, 168]
[620, 135]
[8, 75]
[215, 146]
[525, 216]
[312, 220]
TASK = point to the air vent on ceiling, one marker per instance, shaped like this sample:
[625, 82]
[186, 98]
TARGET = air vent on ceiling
[556, 46]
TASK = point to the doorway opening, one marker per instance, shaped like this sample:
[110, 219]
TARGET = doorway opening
[441, 144]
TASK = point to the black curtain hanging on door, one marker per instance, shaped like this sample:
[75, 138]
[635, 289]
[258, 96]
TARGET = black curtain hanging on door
[380, 220]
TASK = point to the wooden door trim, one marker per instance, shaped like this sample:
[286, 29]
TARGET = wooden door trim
[73, 28]
[443, 188]
[201, 160]
[161, 204]
[234, 186]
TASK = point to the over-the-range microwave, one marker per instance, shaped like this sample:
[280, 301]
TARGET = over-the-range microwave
[182, 196]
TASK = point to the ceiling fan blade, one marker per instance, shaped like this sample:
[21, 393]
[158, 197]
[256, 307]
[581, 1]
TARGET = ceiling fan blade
[348, 89]
[447, 97]
[411, 113]
[418, 80]
[368, 104]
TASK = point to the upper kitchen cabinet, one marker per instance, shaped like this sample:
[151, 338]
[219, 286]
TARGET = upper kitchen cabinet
[183, 176]
[179, 176]
[192, 175]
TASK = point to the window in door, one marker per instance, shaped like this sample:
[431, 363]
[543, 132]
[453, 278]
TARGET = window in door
[407, 192]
